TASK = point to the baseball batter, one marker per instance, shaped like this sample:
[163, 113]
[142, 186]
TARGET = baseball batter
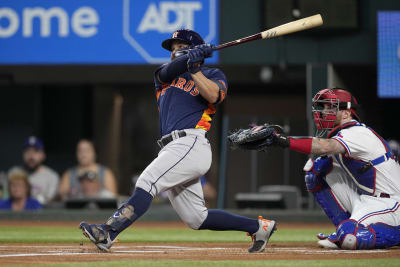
[187, 94]
[356, 179]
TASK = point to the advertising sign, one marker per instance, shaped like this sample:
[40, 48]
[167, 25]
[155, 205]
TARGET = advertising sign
[389, 54]
[99, 31]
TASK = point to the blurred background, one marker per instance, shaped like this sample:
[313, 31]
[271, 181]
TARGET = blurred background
[83, 69]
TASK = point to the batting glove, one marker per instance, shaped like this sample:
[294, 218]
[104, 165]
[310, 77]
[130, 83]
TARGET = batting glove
[207, 49]
[196, 58]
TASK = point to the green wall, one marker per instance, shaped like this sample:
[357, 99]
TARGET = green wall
[242, 18]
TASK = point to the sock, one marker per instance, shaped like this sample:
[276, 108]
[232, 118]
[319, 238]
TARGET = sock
[135, 207]
[219, 220]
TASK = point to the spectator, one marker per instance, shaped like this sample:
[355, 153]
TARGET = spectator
[395, 147]
[19, 190]
[90, 187]
[208, 190]
[43, 180]
[70, 186]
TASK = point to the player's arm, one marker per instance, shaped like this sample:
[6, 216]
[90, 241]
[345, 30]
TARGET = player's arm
[167, 72]
[309, 145]
[323, 146]
[208, 89]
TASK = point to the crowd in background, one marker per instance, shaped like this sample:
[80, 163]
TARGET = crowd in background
[33, 185]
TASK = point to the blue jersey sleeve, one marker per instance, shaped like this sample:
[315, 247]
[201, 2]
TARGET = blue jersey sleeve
[157, 82]
[218, 76]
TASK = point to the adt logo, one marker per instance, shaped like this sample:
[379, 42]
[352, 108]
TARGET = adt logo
[146, 24]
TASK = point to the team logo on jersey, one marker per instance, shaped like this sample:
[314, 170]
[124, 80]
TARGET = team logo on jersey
[183, 84]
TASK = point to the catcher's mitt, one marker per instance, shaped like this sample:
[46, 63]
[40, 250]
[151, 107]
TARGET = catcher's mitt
[255, 138]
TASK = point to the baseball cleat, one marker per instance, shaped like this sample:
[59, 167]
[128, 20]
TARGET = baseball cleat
[326, 243]
[261, 237]
[322, 236]
[97, 234]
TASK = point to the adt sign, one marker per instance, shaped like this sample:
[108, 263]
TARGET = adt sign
[97, 32]
[147, 24]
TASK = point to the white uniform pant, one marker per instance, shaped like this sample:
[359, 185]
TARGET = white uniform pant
[177, 169]
[363, 208]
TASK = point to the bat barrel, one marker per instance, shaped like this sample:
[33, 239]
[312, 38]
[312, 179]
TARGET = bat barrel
[294, 26]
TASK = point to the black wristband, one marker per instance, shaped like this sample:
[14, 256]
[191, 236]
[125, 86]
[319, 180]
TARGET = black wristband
[282, 141]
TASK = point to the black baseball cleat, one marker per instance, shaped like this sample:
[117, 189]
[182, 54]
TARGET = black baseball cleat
[261, 237]
[98, 235]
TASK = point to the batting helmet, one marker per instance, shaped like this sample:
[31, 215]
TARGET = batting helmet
[190, 37]
[337, 99]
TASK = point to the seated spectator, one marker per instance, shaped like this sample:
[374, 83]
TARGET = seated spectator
[43, 180]
[90, 187]
[70, 186]
[395, 147]
[208, 190]
[19, 191]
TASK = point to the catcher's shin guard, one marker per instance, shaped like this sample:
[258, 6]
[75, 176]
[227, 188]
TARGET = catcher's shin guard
[328, 203]
[353, 235]
[321, 191]
[385, 235]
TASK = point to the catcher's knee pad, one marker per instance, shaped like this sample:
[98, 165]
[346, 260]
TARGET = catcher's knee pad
[386, 235]
[353, 235]
[313, 182]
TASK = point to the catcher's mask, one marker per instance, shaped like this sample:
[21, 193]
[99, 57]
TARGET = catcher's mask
[187, 36]
[327, 103]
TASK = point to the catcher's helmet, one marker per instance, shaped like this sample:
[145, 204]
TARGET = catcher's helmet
[337, 99]
[190, 37]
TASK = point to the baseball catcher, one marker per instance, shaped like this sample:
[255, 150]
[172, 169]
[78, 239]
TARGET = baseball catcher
[353, 175]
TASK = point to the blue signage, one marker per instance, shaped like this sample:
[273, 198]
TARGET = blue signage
[389, 54]
[99, 31]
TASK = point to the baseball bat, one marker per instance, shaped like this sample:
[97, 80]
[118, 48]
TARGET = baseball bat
[294, 26]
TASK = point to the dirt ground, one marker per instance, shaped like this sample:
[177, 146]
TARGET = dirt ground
[19, 253]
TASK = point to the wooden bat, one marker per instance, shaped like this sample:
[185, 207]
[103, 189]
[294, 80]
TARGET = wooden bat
[294, 26]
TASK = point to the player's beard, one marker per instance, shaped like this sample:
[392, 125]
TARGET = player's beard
[31, 169]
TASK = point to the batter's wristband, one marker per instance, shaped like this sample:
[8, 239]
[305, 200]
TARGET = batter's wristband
[302, 145]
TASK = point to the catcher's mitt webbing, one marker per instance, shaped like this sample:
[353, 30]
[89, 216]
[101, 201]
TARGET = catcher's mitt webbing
[254, 138]
[249, 135]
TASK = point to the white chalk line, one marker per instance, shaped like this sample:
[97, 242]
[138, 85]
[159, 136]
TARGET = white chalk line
[156, 249]
[327, 251]
[76, 246]
[116, 253]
